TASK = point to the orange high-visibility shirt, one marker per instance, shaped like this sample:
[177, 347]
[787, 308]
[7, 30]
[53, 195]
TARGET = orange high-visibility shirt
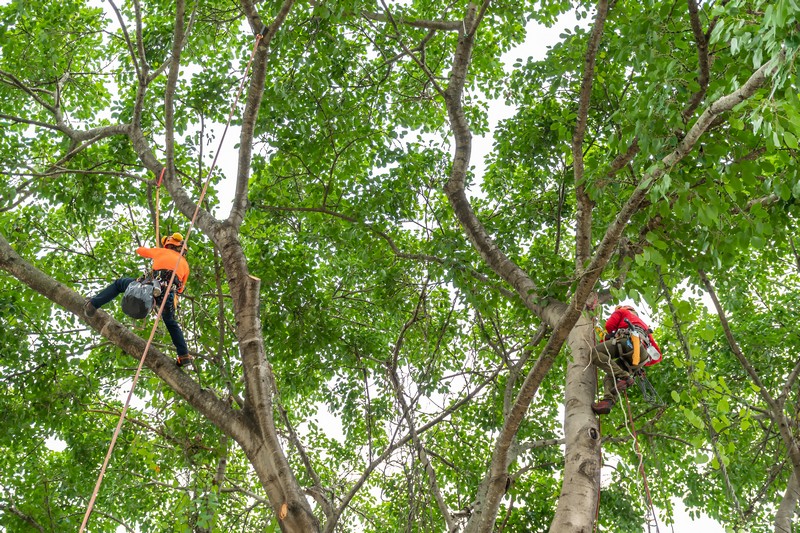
[165, 259]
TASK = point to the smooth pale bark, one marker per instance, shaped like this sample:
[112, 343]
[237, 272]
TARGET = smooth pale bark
[582, 463]
[578, 499]
[783, 518]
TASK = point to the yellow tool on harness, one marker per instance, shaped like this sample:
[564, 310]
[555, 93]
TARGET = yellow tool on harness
[635, 340]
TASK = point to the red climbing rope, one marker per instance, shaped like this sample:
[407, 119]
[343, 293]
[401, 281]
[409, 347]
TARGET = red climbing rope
[651, 509]
[599, 475]
[599, 429]
[169, 287]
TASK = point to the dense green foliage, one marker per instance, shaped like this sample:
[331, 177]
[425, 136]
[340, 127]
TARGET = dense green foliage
[368, 280]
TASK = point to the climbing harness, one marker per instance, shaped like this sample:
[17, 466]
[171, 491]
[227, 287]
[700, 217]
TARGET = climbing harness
[171, 282]
[636, 338]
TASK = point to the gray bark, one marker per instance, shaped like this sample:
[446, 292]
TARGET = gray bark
[786, 510]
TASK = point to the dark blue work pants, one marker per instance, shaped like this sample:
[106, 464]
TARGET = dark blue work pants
[168, 315]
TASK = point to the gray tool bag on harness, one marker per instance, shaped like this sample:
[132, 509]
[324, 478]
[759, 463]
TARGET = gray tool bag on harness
[138, 298]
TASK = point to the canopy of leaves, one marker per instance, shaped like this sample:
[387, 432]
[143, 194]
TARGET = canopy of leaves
[378, 314]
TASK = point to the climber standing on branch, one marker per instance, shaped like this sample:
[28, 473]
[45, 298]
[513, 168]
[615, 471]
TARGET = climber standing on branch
[164, 261]
[629, 346]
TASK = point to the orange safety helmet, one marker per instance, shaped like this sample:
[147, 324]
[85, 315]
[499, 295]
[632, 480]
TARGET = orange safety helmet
[176, 240]
[628, 308]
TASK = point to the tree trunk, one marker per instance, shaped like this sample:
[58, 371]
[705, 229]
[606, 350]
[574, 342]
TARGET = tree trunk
[785, 513]
[264, 451]
[283, 491]
[578, 500]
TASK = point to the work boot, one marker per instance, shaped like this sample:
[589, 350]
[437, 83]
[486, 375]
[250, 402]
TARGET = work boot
[623, 384]
[184, 359]
[89, 309]
[603, 407]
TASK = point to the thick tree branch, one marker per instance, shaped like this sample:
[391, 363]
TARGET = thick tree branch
[203, 400]
[169, 91]
[786, 510]
[455, 186]
[583, 215]
[266, 453]
[720, 106]
[255, 94]
[702, 60]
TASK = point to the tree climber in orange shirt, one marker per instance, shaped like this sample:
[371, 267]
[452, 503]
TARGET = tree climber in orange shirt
[164, 261]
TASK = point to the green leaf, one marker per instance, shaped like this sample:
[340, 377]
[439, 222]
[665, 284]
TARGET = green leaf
[707, 334]
[790, 139]
[723, 406]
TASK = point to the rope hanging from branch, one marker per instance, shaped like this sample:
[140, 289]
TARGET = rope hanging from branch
[89, 508]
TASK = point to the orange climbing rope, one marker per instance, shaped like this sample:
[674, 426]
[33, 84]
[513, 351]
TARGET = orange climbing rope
[158, 205]
[89, 508]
